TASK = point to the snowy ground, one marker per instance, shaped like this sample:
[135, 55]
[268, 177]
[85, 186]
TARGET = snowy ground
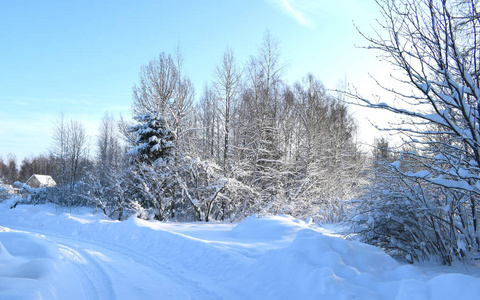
[50, 254]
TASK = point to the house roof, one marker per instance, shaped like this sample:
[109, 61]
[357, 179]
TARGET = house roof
[43, 179]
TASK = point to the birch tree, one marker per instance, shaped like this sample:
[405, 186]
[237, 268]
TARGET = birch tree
[263, 97]
[227, 76]
[182, 103]
[209, 119]
[158, 83]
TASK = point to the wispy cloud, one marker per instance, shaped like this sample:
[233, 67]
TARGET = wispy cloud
[302, 11]
[295, 11]
[310, 13]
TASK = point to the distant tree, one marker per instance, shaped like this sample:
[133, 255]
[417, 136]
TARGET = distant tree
[26, 170]
[110, 154]
[327, 157]
[70, 153]
[44, 164]
[76, 141]
[3, 170]
[105, 182]
[10, 170]
[381, 149]
[60, 149]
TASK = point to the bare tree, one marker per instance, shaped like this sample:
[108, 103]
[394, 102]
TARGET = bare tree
[76, 148]
[326, 153]
[9, 171]
[70, 151]
[227, 81]
[109, 154]
[435, 45]
[209, 121]
[109, 149]
[264, 94]
[158, 82]
[182, 102]
[165, 92]
[60, 149]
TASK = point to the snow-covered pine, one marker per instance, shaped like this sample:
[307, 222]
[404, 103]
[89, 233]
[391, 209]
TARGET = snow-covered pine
[154, 138]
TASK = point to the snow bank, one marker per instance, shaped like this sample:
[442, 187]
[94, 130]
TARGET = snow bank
[316, 266]
[273, 257]
[27, 265]
[269, 228]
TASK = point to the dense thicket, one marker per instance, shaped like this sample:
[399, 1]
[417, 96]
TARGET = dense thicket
[251, 144]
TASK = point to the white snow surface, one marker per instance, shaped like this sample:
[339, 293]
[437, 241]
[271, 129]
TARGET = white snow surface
[47, 253]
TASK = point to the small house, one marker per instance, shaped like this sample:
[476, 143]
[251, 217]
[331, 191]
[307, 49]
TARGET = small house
[36, 181]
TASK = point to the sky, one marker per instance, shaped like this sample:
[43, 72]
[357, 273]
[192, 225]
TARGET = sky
[82, 58]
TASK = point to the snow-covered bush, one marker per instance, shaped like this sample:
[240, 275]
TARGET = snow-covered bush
[6, 191]
[41, 195]
[413, 218]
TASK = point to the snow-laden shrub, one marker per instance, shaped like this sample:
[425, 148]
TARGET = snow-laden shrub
[427, 203]
[413, 218]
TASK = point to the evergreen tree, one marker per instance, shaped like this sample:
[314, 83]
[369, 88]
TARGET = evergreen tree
[154, 138]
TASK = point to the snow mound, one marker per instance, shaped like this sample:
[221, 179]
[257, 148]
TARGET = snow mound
[316, 266]
[268, 227]
[27, 263]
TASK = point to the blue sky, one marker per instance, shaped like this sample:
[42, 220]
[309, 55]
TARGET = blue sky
[82, 58]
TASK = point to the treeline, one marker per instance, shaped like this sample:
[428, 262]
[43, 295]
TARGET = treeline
[10, 171]
[251, 144]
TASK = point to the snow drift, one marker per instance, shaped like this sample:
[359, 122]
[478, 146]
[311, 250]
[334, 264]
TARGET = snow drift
[49, 254]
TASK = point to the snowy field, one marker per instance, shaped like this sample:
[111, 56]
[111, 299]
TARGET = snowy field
[47, 253]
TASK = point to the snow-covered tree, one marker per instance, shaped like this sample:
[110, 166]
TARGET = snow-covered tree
[259, 112]
[150, 161]
[436, 46]
[165, 91]
[209, 134]
[325, 153]
[158, 81]
[155, 139]
[227, 81]
[106, 182]
[70, 152]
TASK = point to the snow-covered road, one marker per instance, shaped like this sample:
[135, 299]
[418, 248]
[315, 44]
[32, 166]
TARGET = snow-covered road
[49, 254]
[94, 269]
[99, 267]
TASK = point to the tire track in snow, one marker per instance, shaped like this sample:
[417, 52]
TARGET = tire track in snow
[97, 281]
[194, 288]
[94, 279]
